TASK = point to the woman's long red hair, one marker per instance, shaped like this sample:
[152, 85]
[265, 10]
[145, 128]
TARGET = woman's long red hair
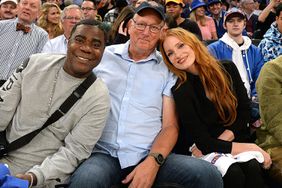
[216, 81]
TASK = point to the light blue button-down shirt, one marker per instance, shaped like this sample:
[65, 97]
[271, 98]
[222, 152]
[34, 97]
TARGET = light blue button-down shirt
[136, 90]
[56, 45]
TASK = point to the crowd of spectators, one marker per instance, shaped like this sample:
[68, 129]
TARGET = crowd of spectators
[245, 32]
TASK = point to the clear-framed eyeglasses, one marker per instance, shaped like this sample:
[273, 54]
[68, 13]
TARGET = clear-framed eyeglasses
[142, 27]
[72, 18]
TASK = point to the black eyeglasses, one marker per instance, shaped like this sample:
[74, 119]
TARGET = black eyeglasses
[87, 8]
[142, 27]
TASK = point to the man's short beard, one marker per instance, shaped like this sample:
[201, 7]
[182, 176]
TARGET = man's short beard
[176, 16]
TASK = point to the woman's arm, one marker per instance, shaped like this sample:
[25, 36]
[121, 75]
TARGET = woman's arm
[187, 103]
[227, 135]
[240, 127]
[243, 147]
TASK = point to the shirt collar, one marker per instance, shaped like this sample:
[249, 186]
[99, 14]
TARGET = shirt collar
[65, 39]
[123, 52]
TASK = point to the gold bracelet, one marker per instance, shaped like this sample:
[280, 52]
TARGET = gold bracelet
[31, 179]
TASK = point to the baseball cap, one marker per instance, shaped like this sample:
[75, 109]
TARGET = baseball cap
[153, 6]
[179, 2]
[4, 1]
[197, 3]
[234, 12]
[210, 2]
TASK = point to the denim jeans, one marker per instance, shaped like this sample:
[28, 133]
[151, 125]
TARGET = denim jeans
[179, 171]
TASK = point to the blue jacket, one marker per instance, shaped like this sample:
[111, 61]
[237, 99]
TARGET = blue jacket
[253, 60]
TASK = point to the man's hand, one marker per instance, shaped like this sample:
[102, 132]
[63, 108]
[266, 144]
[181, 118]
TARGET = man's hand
[144, 174]
[30, 177]
[274, 3]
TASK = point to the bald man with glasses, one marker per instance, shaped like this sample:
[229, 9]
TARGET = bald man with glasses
[71, 15]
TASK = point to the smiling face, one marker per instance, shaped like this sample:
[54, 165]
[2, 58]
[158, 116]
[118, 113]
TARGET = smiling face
[179, 54]
[215, 8]
[144, 41]
[8, 10]
[71, 17]
[28, 11]
[53, 15]
[200, 11]
[85, 50]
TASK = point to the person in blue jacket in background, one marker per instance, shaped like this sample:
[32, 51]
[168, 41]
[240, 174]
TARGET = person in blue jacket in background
[239, 49]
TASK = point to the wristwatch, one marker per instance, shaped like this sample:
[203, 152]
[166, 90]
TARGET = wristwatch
[158, 157]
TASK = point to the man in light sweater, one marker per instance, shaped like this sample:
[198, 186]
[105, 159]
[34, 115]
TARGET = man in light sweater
[37, 89]
[70, 16]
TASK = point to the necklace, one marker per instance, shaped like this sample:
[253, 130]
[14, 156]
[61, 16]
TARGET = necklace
[53, 90]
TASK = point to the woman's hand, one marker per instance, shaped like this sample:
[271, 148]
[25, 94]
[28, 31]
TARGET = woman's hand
[196, 152]
[267, 160]
[243, 147]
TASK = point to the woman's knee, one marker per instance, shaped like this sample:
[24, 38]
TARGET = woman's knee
[234, 177]
[252, 166]
[189, 172]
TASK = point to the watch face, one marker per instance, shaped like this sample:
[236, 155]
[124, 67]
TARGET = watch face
[160, 159]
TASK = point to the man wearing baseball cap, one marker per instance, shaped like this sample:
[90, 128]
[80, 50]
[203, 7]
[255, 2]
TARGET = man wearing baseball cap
[239, 49]
[174, 8]
[135, 147]
[8, 9]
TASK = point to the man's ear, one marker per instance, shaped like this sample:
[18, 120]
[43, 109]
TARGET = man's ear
[130, 26]
[182, 8]
[245, 23]
[224, 26]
